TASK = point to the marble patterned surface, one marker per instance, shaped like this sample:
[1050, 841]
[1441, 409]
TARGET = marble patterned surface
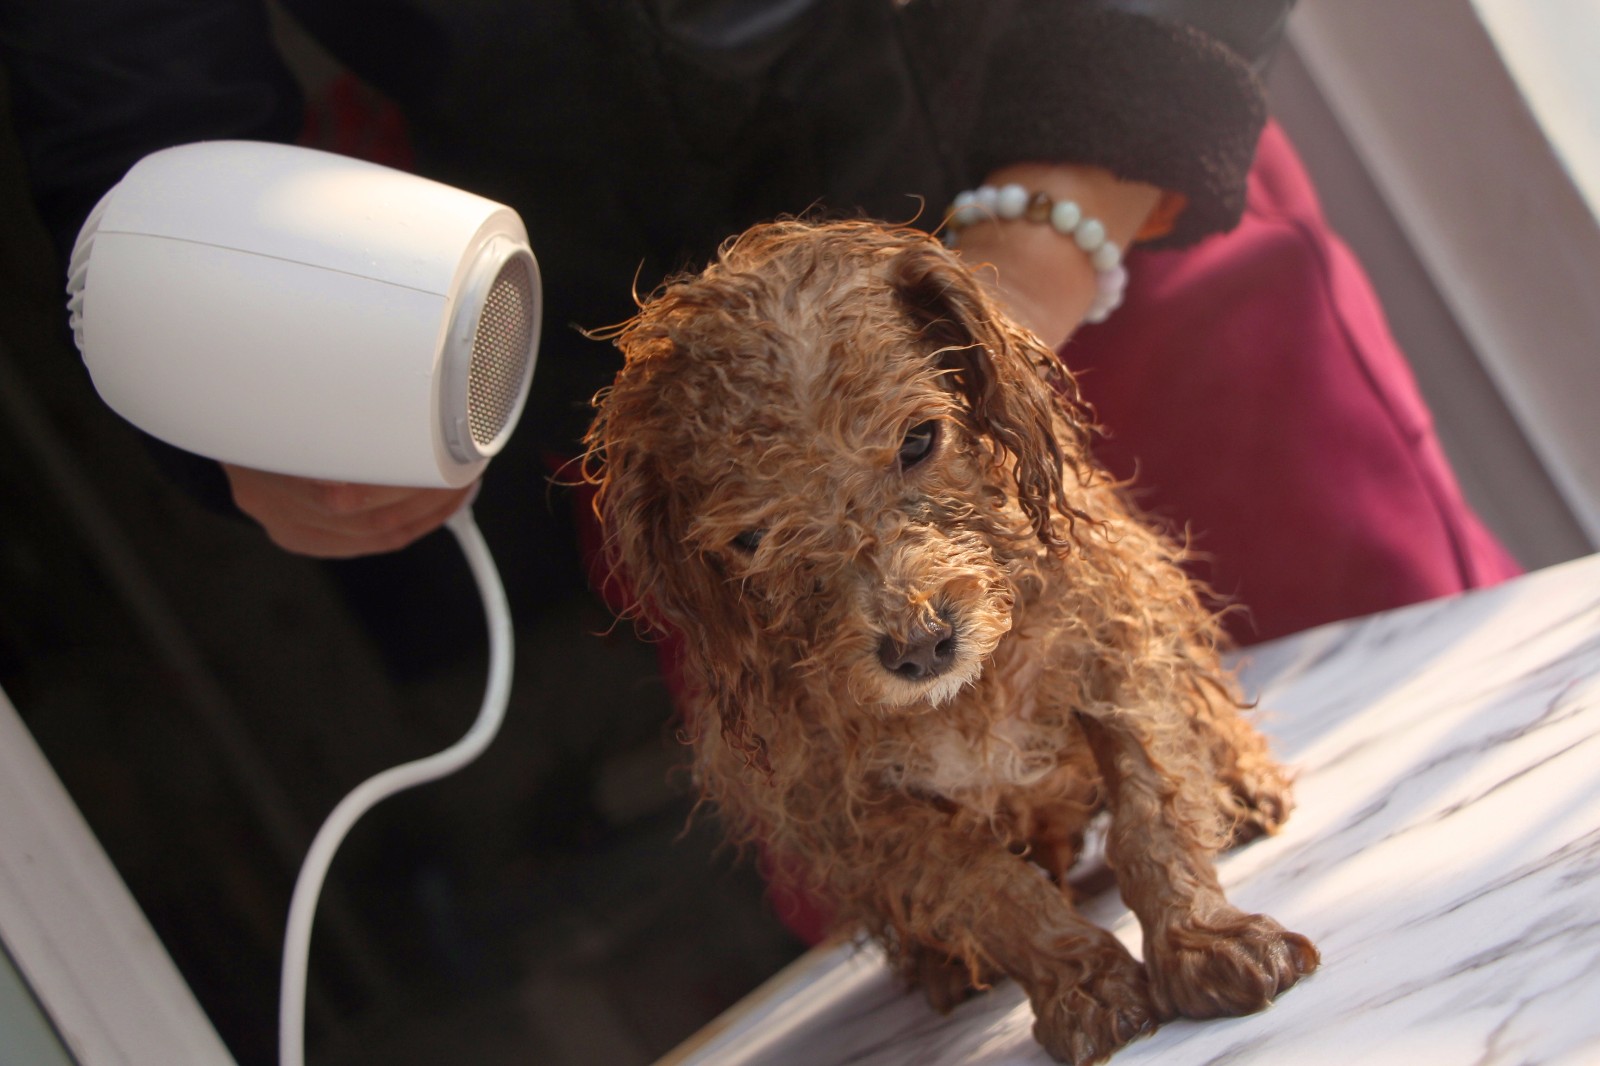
[1445, 857]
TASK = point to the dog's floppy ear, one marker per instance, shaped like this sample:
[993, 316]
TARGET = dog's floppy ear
[1016, 392]
[647, 560]
[637, 515]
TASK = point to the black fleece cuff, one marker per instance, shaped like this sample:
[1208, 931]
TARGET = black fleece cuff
[1150, 101]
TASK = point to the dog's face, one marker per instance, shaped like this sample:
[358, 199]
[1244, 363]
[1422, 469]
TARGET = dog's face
[826, 457]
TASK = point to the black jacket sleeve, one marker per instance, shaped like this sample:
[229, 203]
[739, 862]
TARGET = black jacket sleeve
[1250, 28]
[96, 85]
[1157, 91]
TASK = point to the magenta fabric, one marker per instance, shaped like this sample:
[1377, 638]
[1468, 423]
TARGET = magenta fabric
[1251, 389]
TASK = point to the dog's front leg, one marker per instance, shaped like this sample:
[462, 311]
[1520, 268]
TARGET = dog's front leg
[949, 892]
[1205, 957]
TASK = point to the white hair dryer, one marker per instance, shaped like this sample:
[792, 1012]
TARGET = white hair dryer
[301, 312]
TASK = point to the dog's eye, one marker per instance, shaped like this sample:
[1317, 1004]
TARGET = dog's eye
[918, 443]
[749, 540]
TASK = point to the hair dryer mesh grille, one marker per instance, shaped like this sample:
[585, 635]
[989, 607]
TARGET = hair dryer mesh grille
[501, 349]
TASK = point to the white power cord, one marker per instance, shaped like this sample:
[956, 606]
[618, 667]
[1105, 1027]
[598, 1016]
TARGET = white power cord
[308, 886]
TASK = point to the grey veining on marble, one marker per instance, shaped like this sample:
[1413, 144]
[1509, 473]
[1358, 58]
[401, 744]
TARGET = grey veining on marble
[1445, 856]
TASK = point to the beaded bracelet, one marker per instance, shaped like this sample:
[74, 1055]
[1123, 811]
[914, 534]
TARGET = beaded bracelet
[1063, 216]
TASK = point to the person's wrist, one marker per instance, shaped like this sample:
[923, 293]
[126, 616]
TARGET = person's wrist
[1067, 218]
[1043, 272]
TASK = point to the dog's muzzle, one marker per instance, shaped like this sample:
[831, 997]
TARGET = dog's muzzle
[931, 651]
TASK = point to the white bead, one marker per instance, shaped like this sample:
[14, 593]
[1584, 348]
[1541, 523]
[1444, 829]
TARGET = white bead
[1011, 201]
[1064, 217]
[1090, 234]
[1111, 281]
[986, 197]
[967, 214]
[1106, 257]
[962, 199]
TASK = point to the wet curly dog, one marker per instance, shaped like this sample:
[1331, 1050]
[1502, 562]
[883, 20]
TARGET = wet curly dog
[925, 639]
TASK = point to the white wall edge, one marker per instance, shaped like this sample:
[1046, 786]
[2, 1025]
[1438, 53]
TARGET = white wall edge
[1510, 242]
[75, 933]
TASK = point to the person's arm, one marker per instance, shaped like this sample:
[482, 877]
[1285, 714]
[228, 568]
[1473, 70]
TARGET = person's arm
[1144, 112]
[1041, 277]
[1090, 83]
[94, 87]
[1252, 29]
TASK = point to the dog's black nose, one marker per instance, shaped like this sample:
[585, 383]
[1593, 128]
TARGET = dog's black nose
[931, 652]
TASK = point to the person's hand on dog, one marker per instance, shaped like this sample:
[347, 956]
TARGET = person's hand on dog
[1041, 277]
[336, 520]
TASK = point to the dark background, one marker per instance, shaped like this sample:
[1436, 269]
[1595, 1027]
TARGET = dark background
[207, 699]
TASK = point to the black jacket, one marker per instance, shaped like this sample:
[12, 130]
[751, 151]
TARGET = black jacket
[634, 135]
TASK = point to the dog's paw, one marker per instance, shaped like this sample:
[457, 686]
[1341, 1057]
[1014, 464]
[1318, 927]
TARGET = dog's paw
[946, 982]
[1258, 804]
[1230, 964]
[1086, 1022]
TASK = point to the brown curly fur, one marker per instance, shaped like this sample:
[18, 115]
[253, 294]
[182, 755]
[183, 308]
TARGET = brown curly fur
[1073, 668]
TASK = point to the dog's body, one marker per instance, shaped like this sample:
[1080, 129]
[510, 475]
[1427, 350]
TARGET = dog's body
[924, 637]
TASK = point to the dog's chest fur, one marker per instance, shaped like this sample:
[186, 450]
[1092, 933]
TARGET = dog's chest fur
[1004, 734]
[954, 764]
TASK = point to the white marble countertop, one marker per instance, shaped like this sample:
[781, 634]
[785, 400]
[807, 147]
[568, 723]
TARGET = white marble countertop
[1445, 857]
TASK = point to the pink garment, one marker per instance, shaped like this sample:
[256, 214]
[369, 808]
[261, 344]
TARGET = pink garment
[1251, 388]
